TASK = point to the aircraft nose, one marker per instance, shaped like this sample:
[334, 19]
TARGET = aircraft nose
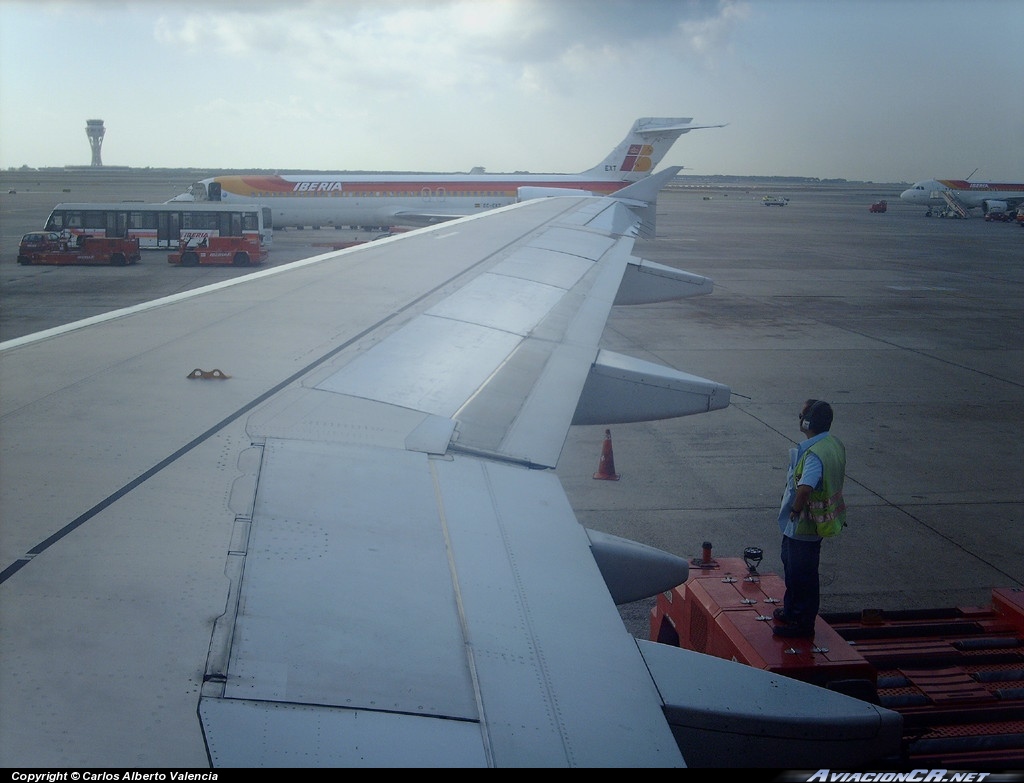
[908, 194]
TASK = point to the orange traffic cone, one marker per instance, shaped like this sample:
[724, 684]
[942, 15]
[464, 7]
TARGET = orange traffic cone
[606, 468]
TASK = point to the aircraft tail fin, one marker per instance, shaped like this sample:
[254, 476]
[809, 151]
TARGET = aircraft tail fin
[642, 198]
[644, 147]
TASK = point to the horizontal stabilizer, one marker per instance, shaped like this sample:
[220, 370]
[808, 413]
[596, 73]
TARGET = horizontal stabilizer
[645, 282]
[634, 571]
[721, 709]
[683, 127]
[623, 389]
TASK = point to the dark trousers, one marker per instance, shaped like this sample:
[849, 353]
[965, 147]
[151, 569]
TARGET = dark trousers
[800, 561]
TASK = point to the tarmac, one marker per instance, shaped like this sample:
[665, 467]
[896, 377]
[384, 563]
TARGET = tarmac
[911, 327]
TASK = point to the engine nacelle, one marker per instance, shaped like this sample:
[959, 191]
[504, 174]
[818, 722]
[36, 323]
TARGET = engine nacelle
[530, 192]
[993, 206]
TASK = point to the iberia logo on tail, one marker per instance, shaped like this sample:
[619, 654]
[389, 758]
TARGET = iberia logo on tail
[638, 158]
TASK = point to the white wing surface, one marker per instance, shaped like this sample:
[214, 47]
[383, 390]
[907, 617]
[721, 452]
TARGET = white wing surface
[348, 546]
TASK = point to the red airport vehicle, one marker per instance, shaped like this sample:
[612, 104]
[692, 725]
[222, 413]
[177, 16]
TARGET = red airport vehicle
[956, 675]
[879, 206]
[1001, 216]
[219, 251]
[51, 247]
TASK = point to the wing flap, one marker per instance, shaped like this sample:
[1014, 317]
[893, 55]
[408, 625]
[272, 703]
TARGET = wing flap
[331, 540]
[411, 591]
[592, 705]
[308, 736]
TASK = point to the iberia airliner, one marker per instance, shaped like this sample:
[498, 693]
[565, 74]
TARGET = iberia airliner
[379, 200]
[990, 196]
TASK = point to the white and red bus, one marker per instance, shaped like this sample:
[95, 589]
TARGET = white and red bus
[163, 225]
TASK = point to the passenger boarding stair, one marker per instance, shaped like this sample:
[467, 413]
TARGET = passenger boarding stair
[957, 208]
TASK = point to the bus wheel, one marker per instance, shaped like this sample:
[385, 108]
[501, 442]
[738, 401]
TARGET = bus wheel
[118, 259]
[190, 259]
[241, 259]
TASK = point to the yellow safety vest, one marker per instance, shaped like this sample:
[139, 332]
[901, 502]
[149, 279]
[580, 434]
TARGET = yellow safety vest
[826, 509]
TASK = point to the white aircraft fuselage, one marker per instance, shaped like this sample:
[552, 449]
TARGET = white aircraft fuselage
[413, 199]
[989, 196]
[387, 199]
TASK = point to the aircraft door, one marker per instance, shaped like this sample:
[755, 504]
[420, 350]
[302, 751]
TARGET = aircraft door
[440, 194]
[425, 194]
[214, 192]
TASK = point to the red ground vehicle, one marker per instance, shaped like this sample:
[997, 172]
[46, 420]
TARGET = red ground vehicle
[879, 206]
[955, 674]
[1000, 217]
[221, 251]
[50, 247]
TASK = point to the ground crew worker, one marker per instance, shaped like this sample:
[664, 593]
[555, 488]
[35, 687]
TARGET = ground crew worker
[812, 508]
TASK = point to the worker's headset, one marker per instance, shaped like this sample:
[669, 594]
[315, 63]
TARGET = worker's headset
[816, 418]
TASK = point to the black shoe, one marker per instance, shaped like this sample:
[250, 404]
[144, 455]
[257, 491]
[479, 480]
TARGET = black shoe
[794, 631]
[780, 615]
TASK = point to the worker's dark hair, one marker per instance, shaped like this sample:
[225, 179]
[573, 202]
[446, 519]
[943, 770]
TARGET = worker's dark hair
[818, 417]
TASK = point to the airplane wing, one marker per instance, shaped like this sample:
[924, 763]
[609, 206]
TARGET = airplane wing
[310, 516]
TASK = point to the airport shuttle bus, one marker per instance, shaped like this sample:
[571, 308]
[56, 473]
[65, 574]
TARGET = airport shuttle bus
[163, 225]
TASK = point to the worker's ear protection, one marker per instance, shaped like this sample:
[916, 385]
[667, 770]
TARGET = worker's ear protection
[817, 418]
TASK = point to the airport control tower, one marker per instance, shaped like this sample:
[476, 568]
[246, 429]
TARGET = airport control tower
[94, 130]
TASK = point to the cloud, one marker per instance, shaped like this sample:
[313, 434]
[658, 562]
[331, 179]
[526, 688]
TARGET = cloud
[443, 46]
[845, 89]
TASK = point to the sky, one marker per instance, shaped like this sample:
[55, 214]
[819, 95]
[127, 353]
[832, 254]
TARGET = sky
[874, 90]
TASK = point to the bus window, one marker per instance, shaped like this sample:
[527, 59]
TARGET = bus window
[142, 219]
[200, 221]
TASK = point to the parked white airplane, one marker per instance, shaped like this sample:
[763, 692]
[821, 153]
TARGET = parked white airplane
[349, 547]
[989, 196]
[381, 200]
